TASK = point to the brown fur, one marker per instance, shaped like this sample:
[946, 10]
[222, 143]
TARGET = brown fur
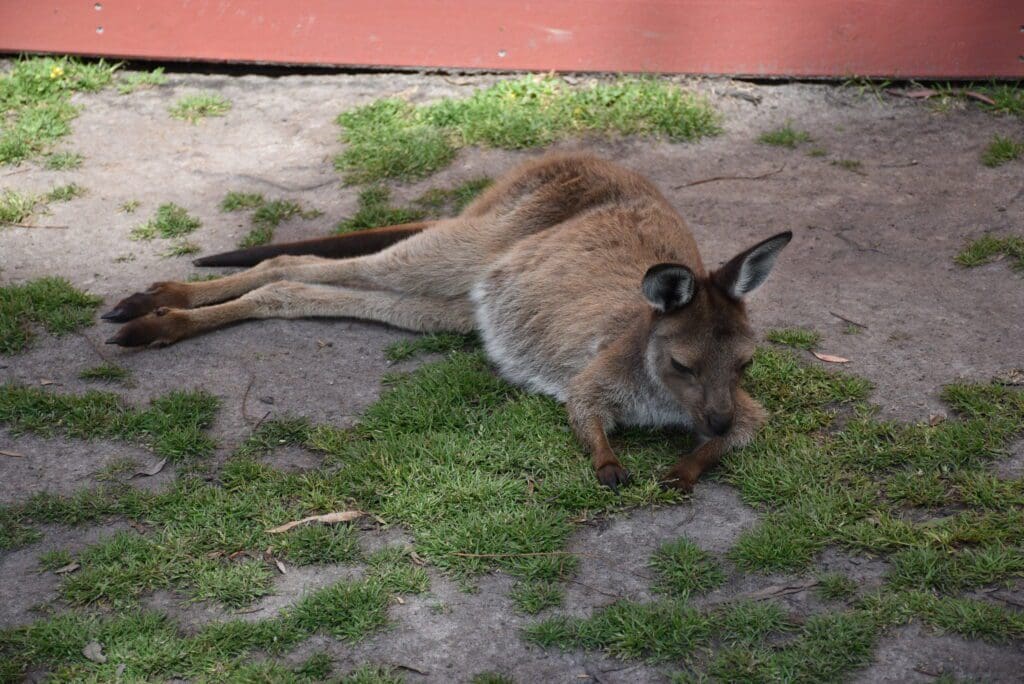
[553, 264]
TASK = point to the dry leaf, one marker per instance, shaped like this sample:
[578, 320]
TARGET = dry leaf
[400, 600]
[280, 566]
[94, 651]
[975, 95]
[12, 454]
[44, 382]
[327, 519]
[70, 567]
[416, 558]
[936, 418]
[915, 94]
[1014, 376]
[149, 472]
[829, 358]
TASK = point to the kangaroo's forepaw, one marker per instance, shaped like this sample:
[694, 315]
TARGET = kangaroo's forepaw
[141, 303]
[613, 476]
[160, 328]
[680, 479]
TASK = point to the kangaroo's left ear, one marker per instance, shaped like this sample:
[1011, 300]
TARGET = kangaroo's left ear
[746, 271]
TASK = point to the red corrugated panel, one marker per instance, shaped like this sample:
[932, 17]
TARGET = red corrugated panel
[903, 38]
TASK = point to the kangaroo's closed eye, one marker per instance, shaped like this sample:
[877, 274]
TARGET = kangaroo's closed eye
[681, 369]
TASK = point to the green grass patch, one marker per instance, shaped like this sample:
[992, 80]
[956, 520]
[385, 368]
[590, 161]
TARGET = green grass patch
[16, 206]
[52, 303]
[267, 215]
[170, 221]
[198, 106]
[786, 136]
[237, 201]
[35, 102]
[375, 207]
[1001, 151]
[434, 343]
[129, 207]
[798, 338]
[683, 569]
[531, 597]
[106, 372]
[143, 646]
[988, 247]
[835, 586]
[63, 161]
[173, 426]
[65, 193]
[181, 248]
[130, 81]
[391, 138]
[54, 560]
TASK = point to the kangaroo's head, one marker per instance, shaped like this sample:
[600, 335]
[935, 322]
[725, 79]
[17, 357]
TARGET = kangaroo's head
[700, 340]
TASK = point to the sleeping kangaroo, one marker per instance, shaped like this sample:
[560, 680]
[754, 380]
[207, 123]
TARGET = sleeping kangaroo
[583, 281]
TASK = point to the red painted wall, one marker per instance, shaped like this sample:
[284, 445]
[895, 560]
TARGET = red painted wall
[902, 38]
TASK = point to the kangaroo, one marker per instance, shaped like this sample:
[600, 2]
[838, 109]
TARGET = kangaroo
[584, 283]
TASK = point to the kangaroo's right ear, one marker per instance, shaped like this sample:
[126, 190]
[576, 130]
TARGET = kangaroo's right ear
[669, 286]
[746, 271]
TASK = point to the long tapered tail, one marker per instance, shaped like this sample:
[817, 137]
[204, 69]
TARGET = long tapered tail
[354, 244]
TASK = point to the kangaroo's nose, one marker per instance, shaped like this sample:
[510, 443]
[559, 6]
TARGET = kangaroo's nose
[719, 423]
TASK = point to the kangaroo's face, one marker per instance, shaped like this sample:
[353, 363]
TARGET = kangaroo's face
[700, 340]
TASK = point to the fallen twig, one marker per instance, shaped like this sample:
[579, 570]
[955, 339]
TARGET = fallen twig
[12, 454]
[721, 178]
[851, 322]
[28, 225]
[245, 398]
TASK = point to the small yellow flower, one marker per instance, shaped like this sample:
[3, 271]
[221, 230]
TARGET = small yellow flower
[56, 72]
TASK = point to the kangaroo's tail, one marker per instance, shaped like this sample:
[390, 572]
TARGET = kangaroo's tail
[336, 247]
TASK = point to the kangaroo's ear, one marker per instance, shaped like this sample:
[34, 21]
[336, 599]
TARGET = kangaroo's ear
[669, 286]
[747, 271]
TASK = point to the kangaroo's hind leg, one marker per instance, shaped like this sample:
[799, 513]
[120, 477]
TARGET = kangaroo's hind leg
[288, 299]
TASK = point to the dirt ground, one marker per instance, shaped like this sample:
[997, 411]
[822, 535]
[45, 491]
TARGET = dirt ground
[875, 246]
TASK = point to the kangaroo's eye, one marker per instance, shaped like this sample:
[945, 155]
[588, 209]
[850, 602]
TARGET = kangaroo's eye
[681, 369]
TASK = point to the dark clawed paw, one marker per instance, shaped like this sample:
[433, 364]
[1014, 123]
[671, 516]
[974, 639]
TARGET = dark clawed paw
[141, 303]
[155, 329]
[613, 476]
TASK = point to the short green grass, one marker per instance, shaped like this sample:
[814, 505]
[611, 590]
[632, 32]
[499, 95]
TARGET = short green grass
[16, 206]
[130, 81]
[986, 248]
[785, 136]
[375, 208]
[1002, 151]
[63, 161]
[170, 221]
[198, 106]
[267, 215]
[434, 343]
[51, 303]
[181, 248]
[173, 426]
[684, 569]
[143, 645]
[798, 338]
[35, 102]
[391, 138]
[106, 372]
[835, 586]
[65, 193]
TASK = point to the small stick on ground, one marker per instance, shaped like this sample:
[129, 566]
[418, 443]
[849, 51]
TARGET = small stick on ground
[245, 398]
[721, 178]
[28, 225]
[844, 318]
[12, 454]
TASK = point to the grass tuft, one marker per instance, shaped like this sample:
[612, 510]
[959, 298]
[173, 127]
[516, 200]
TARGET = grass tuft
[65, 193]
[798, 338]
[375, 207]
[130, 81]
[105, 372]
[433, 343]
[392, 138]
[237, 201]
[193, 108]
[15, 206]
[684, 569]
[986, 248]
[1001, 151]
[52, 303]
[267, 215]
[35, 102]
[786, 136]
[63, 161]
[170, 221]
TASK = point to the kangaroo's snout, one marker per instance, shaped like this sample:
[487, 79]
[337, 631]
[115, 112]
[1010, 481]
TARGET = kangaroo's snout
[719, 423]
